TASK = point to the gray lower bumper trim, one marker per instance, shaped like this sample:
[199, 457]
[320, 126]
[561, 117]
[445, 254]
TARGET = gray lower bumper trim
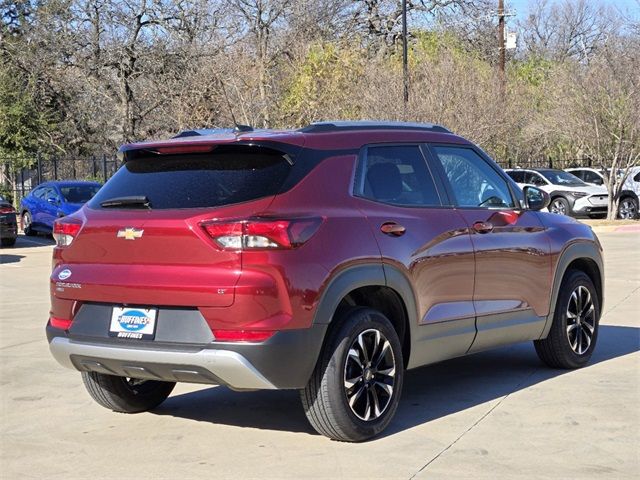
[231, 368]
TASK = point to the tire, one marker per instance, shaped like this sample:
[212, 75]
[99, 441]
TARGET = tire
[559, 206]
[628, 208]
[8, 242]
[571, 341]
[325, 398]
[26, 224]
[126, 395]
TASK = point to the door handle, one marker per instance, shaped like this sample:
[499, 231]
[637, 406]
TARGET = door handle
[392, 228]
[483, 227]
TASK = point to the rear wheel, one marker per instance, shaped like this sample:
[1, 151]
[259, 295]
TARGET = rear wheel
[354, 391]
[27, 224]
[628, 208]
[559, 206]
[574, 331]
[126, 395]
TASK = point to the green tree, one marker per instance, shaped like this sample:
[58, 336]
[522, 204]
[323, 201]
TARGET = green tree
[25, 126]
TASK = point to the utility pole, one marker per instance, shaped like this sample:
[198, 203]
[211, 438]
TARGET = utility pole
[405, 54]
[501, 45]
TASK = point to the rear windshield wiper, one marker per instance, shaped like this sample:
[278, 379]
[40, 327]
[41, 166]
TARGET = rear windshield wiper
[139, 201]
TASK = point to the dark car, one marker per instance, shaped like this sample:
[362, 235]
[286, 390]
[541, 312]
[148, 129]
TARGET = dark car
[329, 259]
[8, 223]
[52, 200]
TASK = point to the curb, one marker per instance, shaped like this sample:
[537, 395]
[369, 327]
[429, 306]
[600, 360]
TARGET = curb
[617, 229]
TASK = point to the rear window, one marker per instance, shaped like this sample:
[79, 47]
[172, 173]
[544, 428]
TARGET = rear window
[195, 181]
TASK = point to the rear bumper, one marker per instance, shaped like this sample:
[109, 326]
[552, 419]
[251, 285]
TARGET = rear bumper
[204, 366]
[285, 361]
[8, 226]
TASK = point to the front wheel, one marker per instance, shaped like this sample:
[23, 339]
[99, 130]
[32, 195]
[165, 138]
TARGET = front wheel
[628, 208]
[559, 206]
[354, 390]
[574, 330]
[126, 395]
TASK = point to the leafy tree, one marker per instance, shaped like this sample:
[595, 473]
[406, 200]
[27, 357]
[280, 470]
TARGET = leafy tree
[25, 127]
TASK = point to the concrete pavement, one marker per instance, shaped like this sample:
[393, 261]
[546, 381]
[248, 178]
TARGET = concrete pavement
[493, 414]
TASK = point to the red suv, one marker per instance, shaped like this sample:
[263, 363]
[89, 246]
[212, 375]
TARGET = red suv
[329, 259]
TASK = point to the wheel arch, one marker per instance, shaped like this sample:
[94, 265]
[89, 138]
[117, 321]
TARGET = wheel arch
[378, 286]
[583, 256]
[628, 193]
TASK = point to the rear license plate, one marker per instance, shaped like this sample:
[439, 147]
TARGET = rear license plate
[136, 323]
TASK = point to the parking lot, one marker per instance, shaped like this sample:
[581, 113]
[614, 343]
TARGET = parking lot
[493, 414]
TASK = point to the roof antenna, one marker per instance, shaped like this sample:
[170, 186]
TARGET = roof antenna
[243, 128]
[239, 128]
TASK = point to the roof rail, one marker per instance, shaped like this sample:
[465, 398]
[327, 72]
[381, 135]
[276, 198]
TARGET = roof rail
[345, 125]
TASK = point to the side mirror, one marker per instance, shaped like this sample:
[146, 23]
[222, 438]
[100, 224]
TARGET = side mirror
[53, 201]
[535, 199]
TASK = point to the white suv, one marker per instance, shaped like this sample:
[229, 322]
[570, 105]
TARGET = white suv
[569, 195]
[628, 205]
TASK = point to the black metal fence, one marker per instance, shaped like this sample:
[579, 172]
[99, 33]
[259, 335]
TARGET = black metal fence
[18, 183]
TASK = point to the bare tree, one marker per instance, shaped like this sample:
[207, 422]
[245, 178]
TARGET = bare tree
[600, 114]
[261, 18]
[568, 29]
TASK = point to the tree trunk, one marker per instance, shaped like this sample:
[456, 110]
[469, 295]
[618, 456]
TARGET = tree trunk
[612, 211]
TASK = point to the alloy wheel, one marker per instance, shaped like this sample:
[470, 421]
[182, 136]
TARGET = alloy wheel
[369, 375]
[558, 207]
[627, 209]
[581, 320]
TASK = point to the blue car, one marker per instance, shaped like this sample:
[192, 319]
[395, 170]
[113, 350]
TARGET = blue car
[52, 200]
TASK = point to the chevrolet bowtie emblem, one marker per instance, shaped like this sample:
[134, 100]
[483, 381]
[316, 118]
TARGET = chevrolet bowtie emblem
[130, 233]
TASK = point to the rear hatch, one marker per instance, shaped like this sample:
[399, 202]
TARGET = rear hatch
[142, 242]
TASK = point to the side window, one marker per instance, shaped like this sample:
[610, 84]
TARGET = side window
[39, 192]
[516, 175]
[51, 193]
[591, 177]
[397, 175]
[636, 178]
[581, 174]
[474, 182]
[534, 178]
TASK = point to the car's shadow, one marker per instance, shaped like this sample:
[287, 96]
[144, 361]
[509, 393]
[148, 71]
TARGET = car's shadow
[5, 258]
[430, 392]
[35, 241]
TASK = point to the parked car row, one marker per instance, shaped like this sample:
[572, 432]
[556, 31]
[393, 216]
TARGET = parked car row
[580, 192]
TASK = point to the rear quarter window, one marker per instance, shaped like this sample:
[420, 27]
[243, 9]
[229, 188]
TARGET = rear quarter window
[195, 181]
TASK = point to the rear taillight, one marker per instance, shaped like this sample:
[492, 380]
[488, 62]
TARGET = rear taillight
[242, 335]
[61, 323]
[65, 230]
[259, 234]
[4, 210]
